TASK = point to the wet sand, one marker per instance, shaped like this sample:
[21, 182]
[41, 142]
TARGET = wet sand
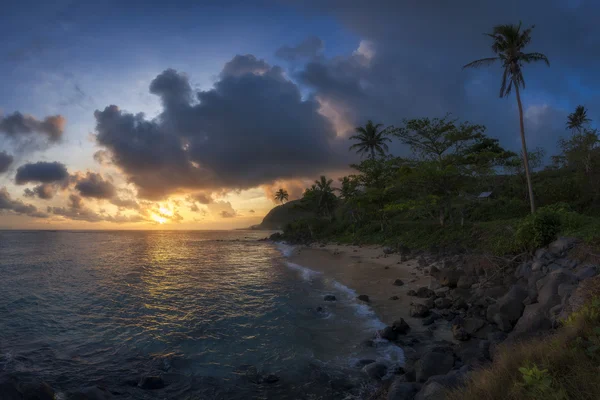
[367, 270]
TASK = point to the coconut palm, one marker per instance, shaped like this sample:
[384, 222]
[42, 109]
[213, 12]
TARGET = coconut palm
[578, 119]
[371, 140]
[281, 195]
[508, 44]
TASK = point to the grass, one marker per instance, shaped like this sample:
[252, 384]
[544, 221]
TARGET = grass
[562, 366]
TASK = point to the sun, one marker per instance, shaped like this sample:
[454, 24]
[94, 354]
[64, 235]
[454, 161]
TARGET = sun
[161, 220]
[165, 211]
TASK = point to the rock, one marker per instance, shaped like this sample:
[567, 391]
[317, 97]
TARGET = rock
[460, 333]
[271, 378]
[418, 310]
[388, 250]
[443, 303]
[432, 391]
[537, 265]
[402, 390]
[92, 393]
[543, 255]
[375, 370]
[398, 282]
[433, 363]
[431, 319]
[37, 391]
[586, 271]
[425, 292]
[559, 246]
[388, 333]
[508, 309]
[535, 319]
[472, 325]
[523, 270]
[466, 281]
[433, 271]
[548, 295]
[449, 277]
[401, 326]
[460, 304]
[151, 382]
[411, 293]
[363, 297]
[394, 298]
[329, 297]
[429, 303]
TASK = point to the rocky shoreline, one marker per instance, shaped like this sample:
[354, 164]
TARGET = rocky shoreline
[484, 309]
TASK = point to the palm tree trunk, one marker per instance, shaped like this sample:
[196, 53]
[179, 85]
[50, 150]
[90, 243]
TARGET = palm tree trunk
[525, 157]
[372, 153]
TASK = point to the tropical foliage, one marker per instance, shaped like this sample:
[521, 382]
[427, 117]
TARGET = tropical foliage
[281, 195]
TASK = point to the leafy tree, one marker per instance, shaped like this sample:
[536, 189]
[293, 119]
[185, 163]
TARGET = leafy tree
[320, 196]
[509, 41]
[281, 195]
[371, 140]
[577, 120]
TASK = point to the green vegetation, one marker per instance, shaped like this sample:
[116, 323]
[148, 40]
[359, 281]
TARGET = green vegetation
[459, 187]
[560, 367]
[282, 195]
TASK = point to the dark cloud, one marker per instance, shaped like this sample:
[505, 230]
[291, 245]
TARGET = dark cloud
[94, 185]
[75, 202]
[17, 206]
[5, 161]
[202, 198]
[194, 208]
[253, 127]
[311, 47]
[17, 125]
[227, 214]
[77, 211]
[41, 171]
[125, 203]
[251, 211]
[44, 191]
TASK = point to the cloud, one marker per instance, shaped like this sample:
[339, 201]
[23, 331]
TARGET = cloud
[44, 191]
[17, 206]
[75, 202]
[202, 198]
[252, 128]
[125, 203]
[251, 211]
[26, 132]
[94, 185]
[310, 47]
[41, 171]
[222, 209]
[227, 214]
[5, 161]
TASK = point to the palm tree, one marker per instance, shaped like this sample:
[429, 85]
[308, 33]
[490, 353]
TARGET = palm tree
[509, 42]
[576, 120]
[281, 195]
[371, 140]
[324, 192]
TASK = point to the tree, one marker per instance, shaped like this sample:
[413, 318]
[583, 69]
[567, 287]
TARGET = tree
[508, 44]
[577, 120]
[281, 195]
[320, 196]
[515, 166]
[371, 140]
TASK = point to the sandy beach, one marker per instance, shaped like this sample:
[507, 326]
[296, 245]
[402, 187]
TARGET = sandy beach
[367, 270]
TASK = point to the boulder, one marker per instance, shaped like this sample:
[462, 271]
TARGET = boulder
[411, 293]
[92, 393]
[534, 320]
[363, 297]
[402, 390]
[425, 292]
[375, 370]
[432, 391]
[429, 303]
[537, 265]
[394, 298]
[508, 309]
[401, 326]
[561, 245]
[443, 303]
[449, 277]
[388, 250]
[388, 333]
[433, 363]
[431, 319]
[548, 295]
[459, 333]
[466, 281]
[586, 271]
[523, 270]
[418, 310]
[329, 297]
[544, 255]
[472, 325]
[398, 282]
[151, 382]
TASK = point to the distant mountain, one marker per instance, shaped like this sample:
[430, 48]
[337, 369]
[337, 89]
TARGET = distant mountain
[282, 215]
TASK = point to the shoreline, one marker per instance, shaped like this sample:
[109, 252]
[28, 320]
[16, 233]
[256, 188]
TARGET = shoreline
[367, 270]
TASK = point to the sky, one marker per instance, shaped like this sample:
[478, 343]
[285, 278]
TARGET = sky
[191, 114]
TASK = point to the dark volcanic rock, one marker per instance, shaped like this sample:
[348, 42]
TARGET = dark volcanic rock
[443, 303]
[425, 292]
[398, 282]
[375, 370]
[363, 297]
[418, 310]
[151, 382]
[271, 378]
[402, 390]
[329, 297]
[394, 298]
[411, 293]
[433, 363]
[401, 326]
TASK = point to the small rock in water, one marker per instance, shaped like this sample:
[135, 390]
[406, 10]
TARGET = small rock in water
[388, 333]
[394, 298]
[400, 326]
[151, 382]
[329, 297]
[271, 378]
[398, 282]
[363, 297]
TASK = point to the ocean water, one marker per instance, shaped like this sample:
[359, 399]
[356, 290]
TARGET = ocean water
[202, 309]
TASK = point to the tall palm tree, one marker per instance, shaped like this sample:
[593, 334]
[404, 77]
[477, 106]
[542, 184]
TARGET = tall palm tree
[325, 196]
[371, 140]
[281, 195]
[578, 119]
[508, 44]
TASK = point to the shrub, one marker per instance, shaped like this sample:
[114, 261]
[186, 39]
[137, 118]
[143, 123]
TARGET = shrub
[539, 229]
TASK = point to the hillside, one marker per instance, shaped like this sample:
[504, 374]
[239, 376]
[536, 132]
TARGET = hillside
[282, 215]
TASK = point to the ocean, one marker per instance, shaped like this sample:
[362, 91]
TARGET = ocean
[208, 311]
